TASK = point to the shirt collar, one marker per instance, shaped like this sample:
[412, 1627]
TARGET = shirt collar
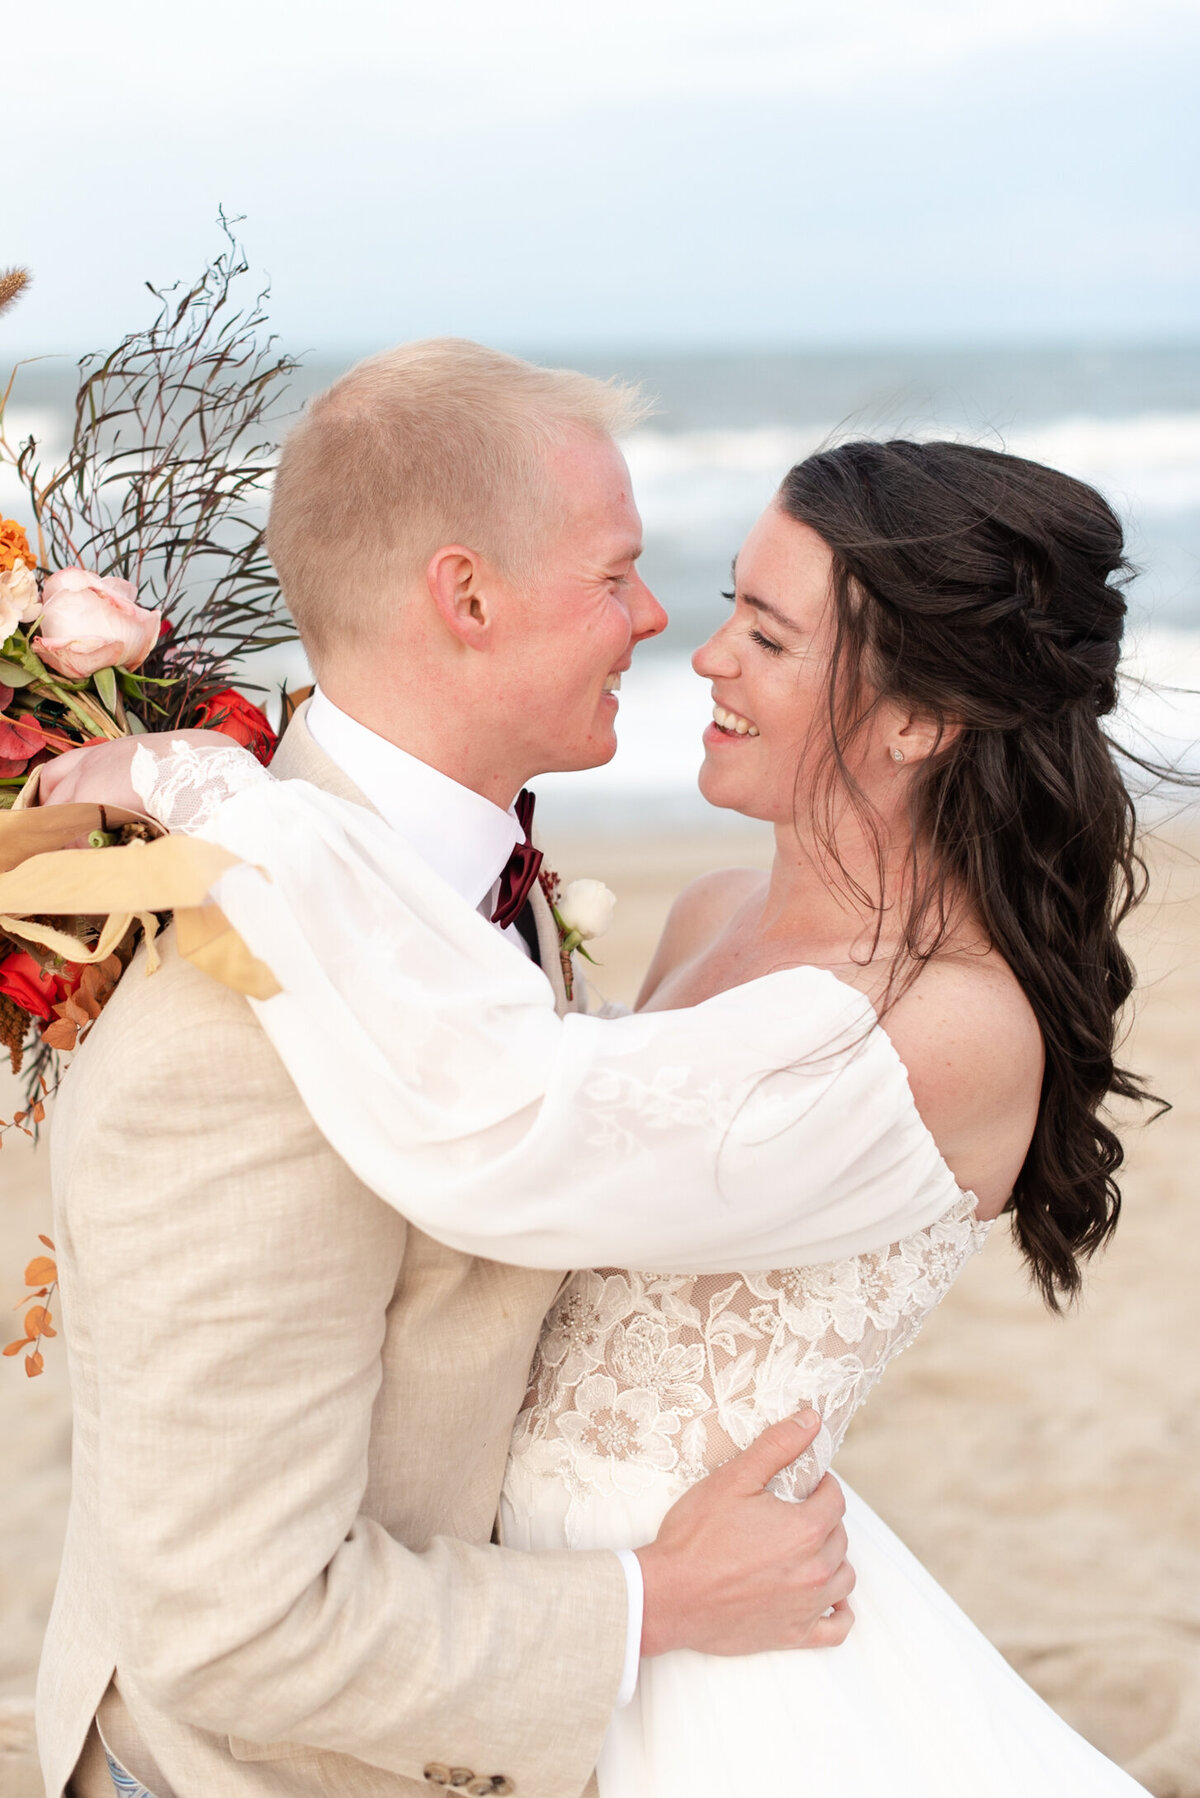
[463, 836]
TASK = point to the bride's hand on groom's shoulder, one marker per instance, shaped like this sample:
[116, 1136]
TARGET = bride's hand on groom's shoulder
[100, 773]
[734, 1570]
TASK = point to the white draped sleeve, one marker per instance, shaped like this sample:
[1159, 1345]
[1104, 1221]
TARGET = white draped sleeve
[769, 1126]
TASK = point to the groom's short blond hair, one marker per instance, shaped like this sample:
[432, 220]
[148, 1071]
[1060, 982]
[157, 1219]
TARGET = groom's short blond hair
[433, 443]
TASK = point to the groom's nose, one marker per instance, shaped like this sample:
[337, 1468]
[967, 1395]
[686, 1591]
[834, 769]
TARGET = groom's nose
[647, 618]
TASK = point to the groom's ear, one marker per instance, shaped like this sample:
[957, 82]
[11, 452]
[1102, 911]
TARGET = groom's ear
[457, 579]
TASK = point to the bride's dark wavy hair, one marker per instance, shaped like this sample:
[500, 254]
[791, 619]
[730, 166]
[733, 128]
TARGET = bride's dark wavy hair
[985, 591]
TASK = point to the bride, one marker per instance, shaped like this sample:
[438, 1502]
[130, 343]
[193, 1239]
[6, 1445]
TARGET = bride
[910, 686]
[922, 642]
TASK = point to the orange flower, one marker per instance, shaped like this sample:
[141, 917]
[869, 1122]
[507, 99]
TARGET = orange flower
[14, 546]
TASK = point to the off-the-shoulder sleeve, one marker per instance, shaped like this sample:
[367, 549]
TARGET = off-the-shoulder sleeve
[769, 1126]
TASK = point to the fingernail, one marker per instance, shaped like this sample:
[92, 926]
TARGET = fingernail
[806, 1419]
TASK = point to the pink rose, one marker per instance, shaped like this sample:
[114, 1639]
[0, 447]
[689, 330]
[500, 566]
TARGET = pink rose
[90, 623]
[19, 600]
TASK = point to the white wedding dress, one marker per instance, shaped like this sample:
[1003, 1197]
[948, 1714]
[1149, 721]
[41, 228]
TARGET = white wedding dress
[771, 1129]
[645, 1382]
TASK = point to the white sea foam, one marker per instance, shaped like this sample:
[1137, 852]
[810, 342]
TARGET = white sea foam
[708, 483]
[49, 428]
[665, 706]
[700, 489]
[1151, 461]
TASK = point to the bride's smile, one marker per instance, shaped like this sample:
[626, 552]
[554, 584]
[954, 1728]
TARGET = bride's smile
[769, 665]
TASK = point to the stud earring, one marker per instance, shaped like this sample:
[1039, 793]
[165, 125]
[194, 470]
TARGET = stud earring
[897, 755]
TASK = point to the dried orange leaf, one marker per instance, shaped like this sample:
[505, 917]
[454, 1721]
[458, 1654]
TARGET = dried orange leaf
[38, 1321]
[45, 1239]
[39, 1112]
[60, 1035]
[41, 1271]
[34, 1364]
[14, 1348]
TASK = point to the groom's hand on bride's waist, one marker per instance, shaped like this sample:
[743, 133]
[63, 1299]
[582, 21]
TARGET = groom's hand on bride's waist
[735, 1570]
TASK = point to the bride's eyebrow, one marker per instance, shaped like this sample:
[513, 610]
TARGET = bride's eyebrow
[760, 605]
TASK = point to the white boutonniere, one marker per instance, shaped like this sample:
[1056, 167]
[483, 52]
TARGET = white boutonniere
[582, 911]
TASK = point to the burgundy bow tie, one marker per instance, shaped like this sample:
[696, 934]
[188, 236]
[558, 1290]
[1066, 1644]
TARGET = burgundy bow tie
[521, 868]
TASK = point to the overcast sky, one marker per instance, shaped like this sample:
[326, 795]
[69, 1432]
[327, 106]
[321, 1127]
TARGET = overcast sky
[659, 172]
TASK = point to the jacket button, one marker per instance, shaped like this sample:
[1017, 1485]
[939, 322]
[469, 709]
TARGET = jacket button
[461, 1776]
[480, 1788]
[437, 1774]
[503, 1787]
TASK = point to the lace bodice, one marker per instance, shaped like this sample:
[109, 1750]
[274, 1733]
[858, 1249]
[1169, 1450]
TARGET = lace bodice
[646, 1378]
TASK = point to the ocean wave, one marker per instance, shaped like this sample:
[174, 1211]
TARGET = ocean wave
[665, 707]
[706, 484]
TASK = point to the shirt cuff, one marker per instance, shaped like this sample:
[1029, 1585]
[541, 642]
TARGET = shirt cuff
[633, 1641]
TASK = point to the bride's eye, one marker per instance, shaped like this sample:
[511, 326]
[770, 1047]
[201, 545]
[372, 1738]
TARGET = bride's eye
[756, 636]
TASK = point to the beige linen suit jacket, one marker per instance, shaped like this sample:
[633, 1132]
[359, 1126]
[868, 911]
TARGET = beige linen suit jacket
[292, 1411]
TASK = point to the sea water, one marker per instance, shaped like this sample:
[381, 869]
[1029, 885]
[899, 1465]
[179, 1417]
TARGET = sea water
[726, 429]
[727, 426]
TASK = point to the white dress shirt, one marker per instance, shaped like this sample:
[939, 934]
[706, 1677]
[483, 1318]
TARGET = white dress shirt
[467, 841]
[463, 836]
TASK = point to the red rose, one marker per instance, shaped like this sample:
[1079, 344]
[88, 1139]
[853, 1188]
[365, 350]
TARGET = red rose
[33, 989]
[20, 738]
[233, 715]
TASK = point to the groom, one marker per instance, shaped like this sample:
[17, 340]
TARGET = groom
[292, 1408]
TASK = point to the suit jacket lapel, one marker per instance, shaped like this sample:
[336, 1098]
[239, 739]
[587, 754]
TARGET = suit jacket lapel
[550, 955]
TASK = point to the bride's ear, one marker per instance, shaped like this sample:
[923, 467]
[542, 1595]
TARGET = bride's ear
[914, 736]
[457, 580]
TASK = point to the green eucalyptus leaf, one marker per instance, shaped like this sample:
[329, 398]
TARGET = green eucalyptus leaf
[13, 675]
[106, 686]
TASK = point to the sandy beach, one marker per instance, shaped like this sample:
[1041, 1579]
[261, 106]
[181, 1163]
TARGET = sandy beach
[1044, 1469]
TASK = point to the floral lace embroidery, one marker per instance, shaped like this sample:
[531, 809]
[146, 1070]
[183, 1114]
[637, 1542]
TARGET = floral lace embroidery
[186, 786]
[642, 1378]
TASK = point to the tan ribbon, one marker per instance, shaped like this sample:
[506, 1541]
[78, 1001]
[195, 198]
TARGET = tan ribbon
[41, 876]
[205, 937]
[73, 948]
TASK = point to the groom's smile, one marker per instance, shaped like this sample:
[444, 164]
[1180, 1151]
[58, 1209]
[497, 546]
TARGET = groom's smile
[569, 634]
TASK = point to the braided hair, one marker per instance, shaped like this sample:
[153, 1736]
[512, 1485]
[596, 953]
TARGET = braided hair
[985, 591]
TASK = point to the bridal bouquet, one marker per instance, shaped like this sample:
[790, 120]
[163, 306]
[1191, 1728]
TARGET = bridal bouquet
[71, 647]
[148, 587]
